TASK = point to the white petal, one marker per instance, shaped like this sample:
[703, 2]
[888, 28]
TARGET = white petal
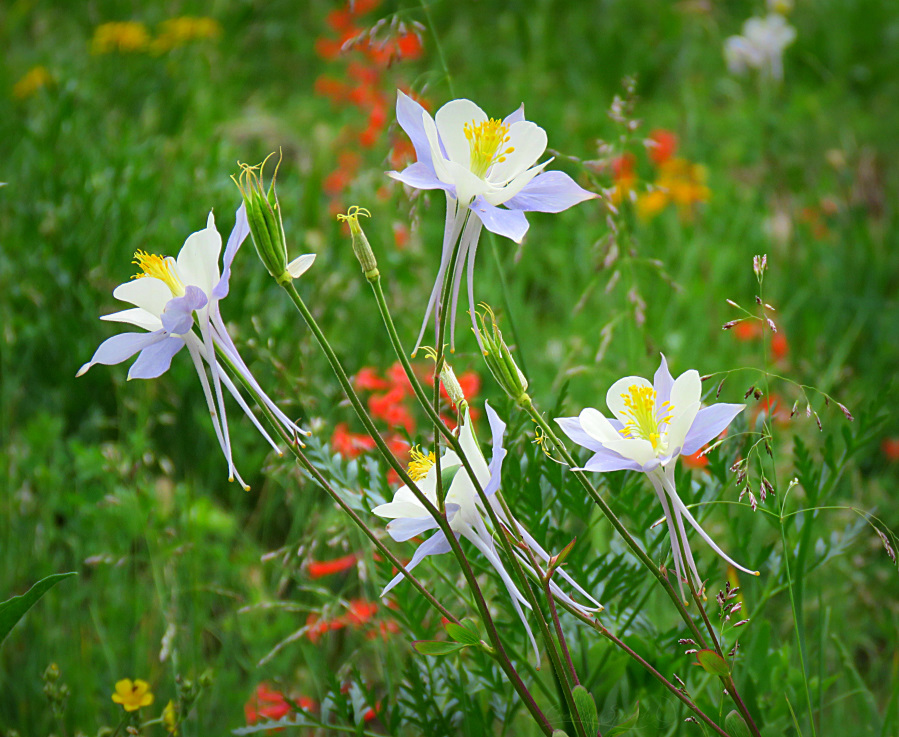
[614, 396]
[149, 293]
[638, 450]
[529, 142]
[595, 424]
[680, 425]
[685, 394]
[300, 265]
[468, 185]
[451, 120]
[497, 196]
[135, 316]
[198, 261]
[437, 159]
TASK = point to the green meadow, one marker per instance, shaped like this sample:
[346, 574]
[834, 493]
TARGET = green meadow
[239, 606]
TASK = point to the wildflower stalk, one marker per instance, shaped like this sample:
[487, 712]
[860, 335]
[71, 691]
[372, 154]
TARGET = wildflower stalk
[323, 483]
[528, 407]
[431, 407]
[499, 652]
[677, 692]
[556, 660]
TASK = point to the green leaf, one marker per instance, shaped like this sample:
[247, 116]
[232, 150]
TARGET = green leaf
[461, 633]
[433, 647]
[627, 725]
[586, 709]
[735, 725]
[713, 663]
[559, 733]
[12, 610]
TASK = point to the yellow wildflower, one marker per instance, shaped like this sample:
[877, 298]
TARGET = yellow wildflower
[680, 182]
[170, 718]
[34, 79]
[132, 695]
[176, 32]
[123, 36]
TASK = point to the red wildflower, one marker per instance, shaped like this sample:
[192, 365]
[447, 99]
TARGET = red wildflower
[367, 379]
[265, 703]
[400, 235]
[747, 329]
[665, 146]
[773, 403]
[350, 444]
[697, 460]
[890, 448]
[779, 346]
[623, 168]
[409, 46]
[320, 568]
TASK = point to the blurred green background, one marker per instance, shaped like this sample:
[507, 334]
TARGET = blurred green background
[125, 141]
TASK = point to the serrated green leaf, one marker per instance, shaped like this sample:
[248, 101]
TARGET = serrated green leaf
[433, 647]
[462, 634]
[12, 610]
[735, 725]
[713, 663]
[586, 709]
[627, 725]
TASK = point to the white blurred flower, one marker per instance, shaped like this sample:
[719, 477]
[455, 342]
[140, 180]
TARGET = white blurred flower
[761, 46]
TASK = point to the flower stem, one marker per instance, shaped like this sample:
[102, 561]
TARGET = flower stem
[500, 653]
[681, 695]
[528, 407]
[323, 483]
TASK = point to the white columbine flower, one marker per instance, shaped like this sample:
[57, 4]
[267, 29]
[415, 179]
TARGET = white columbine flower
[176, 301]
[489, 171]
[465, 512]
[654, 424]
[761, 46]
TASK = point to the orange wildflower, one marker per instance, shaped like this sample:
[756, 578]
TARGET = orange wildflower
[664, 146]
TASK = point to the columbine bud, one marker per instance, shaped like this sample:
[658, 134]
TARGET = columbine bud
[361, 247]
[264, 218]
[499, 359]
[449, 381]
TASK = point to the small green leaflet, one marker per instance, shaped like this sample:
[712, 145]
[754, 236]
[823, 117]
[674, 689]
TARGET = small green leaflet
[433, 647]
[713, 663]
[462, 634]
[12, 610]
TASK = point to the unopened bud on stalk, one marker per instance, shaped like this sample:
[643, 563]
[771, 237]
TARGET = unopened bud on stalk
[361, 246]
[449, 381]
[499, 359]
[264, 218]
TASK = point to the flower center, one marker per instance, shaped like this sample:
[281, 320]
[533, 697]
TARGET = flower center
[420, 464]
[645, 419]
[485, 142]
[159, 267]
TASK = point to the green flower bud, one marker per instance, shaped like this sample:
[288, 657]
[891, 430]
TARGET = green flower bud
[361, 246]
[499, 359]
[264, 218]
[449, 381]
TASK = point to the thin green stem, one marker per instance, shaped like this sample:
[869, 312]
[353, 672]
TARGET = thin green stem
[529, 408]
[442, 522]
[437, 45]
[677, 692]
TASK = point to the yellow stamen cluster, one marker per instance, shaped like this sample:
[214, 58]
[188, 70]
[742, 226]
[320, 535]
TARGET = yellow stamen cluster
[485, 142]
[420, 464]
[159, 267]
[645, 419]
